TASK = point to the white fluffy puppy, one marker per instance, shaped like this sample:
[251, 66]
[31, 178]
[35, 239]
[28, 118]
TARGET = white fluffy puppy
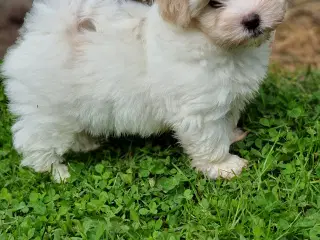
[86, 68]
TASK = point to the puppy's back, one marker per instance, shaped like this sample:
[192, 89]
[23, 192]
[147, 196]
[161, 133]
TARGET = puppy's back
[66, 43]
[36, 67]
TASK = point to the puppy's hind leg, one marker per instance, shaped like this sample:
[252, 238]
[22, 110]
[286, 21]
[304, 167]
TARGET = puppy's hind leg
[238, 135]
[233, 117]
[42, 142]
[83, 142]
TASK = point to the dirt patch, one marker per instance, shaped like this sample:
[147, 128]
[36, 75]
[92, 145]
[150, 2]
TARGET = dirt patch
[12, 13]
[298, 38]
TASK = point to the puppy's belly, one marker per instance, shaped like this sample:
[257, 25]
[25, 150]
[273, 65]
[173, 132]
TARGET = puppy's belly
[120, 119]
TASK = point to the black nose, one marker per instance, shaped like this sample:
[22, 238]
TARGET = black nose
[252, 22]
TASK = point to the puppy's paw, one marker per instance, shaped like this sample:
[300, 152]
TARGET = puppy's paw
[60, 172]
[228, 169]
[239, 135]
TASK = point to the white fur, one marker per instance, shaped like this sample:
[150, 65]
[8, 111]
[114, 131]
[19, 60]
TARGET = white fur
[133, 74]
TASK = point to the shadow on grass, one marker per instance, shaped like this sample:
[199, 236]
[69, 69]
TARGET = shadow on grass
[130, 147]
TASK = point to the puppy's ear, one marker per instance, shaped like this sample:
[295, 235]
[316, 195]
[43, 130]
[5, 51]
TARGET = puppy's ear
[175, 11]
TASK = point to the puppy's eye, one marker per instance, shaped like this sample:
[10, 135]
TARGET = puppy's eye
[215, 4]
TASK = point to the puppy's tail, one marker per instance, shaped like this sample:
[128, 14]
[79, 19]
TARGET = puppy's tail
[60, 17]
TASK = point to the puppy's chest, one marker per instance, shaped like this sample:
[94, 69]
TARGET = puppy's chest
[242, 76]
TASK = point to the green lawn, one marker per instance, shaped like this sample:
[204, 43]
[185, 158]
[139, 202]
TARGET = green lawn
[144, 189]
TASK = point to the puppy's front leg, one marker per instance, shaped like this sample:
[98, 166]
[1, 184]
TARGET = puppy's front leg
[208, 144]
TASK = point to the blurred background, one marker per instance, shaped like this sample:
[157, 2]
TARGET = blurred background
[298, 38]
[297, 42]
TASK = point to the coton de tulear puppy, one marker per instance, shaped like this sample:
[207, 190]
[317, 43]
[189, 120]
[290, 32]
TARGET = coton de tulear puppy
[86, 68]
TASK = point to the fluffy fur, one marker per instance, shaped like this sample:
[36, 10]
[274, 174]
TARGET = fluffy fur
[86, 68]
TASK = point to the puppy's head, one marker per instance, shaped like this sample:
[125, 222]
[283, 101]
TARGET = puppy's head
[229, 23]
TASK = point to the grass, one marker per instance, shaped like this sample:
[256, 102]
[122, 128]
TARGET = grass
[144, 189]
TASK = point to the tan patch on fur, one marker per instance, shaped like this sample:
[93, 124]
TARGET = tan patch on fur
[175, 11]
[88, 25]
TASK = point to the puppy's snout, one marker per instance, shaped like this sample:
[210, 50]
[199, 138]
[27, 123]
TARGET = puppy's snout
[252, 22]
